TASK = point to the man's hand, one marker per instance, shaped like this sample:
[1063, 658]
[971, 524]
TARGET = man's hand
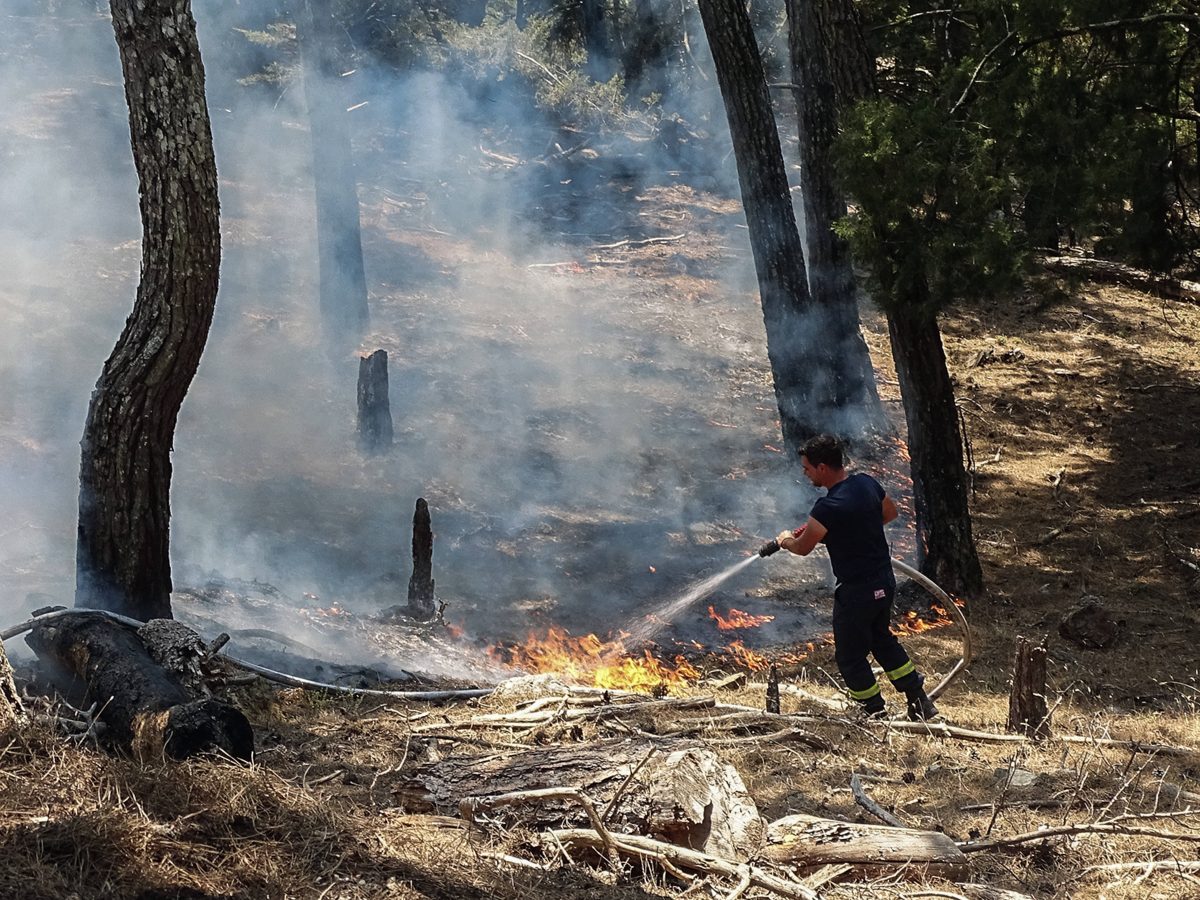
[803, 539]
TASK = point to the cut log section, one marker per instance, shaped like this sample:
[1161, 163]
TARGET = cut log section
[809, 841]
[675, 791]
[145, 708]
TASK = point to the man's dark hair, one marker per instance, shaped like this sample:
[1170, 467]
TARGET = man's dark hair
[824, 448]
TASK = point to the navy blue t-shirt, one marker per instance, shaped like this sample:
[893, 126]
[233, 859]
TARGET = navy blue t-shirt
[852, 513]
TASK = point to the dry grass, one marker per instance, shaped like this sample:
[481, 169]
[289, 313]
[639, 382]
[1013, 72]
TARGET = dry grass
[75, 822]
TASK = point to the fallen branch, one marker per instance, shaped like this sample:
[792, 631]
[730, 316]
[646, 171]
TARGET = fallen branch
[786, 734]
[630, 242]
[861, 798]
[1067, 830]
[692, 860]
[1182, 866]
[472, 805]
[942, 730]
[1109, 272]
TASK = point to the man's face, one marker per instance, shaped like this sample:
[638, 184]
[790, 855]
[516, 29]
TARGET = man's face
[815, 474]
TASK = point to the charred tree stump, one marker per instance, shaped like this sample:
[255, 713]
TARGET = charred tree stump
[420, 585]
[145, 709]
[674, 791]
[773, 690]
[1027, 710]
[374, 410]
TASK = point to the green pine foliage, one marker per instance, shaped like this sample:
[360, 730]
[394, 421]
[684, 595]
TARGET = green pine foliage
[1001, 128]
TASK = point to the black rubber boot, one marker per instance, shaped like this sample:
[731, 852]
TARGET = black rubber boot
[920, 707]
[874, 707]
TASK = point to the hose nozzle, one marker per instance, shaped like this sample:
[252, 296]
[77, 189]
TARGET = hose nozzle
[771, 546]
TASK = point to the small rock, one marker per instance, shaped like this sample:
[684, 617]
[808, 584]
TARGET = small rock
[1089, 626]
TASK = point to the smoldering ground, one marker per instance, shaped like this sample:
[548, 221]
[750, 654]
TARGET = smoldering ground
[591, 437]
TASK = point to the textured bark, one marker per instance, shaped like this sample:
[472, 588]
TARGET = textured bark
[343, 283]
[1027, 710]
[809, 841]
[10, 699]
[830, 276]
[596, 41]
[683, 793]
[945, 543]
[146, 710]
[420, 584]
[807, 356]
[122, 560]
[375, 430]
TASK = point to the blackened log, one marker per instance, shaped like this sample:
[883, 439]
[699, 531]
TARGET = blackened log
[145, 709]
[1027, 710]
[374, 409]
[420, 585]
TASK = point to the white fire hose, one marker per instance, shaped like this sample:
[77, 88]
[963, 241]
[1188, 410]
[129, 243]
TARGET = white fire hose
[945, 600]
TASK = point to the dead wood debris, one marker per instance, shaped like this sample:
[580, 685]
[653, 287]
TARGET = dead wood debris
[861, 798]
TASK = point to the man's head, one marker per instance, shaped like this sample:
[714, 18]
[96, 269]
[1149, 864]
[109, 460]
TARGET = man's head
[822, 460]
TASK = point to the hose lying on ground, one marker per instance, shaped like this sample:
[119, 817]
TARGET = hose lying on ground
[269, 674]
[944, 599]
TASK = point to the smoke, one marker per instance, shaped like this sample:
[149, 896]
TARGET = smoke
[591, 434]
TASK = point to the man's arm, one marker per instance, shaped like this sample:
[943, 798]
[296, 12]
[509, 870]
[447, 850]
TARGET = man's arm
[803, 539]
[889, 509]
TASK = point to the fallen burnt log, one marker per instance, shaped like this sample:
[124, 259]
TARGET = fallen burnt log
[676, 791]
[144, 707]
[810, 841]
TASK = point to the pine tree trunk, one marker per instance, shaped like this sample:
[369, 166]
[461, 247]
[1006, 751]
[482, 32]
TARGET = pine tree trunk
[122, 560]
[830, 276]
[343, 283]
[596, 40]
[945, 544]
[806, 341]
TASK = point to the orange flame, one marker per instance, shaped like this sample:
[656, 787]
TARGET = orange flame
[590, 659]
[912, 623]
[737, 619]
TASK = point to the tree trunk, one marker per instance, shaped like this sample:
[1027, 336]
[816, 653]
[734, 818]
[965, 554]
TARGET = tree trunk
[1027, 710]
[375, 431]
[343, 283]
[122, 558]
[145, 709]
[599, 66]
[945, 544]
[804, 342]
[809, 841]
[10, 699]
[420, 584]
[830, 276]
[682, 792]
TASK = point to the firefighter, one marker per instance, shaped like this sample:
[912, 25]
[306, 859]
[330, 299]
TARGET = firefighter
[849, 521]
